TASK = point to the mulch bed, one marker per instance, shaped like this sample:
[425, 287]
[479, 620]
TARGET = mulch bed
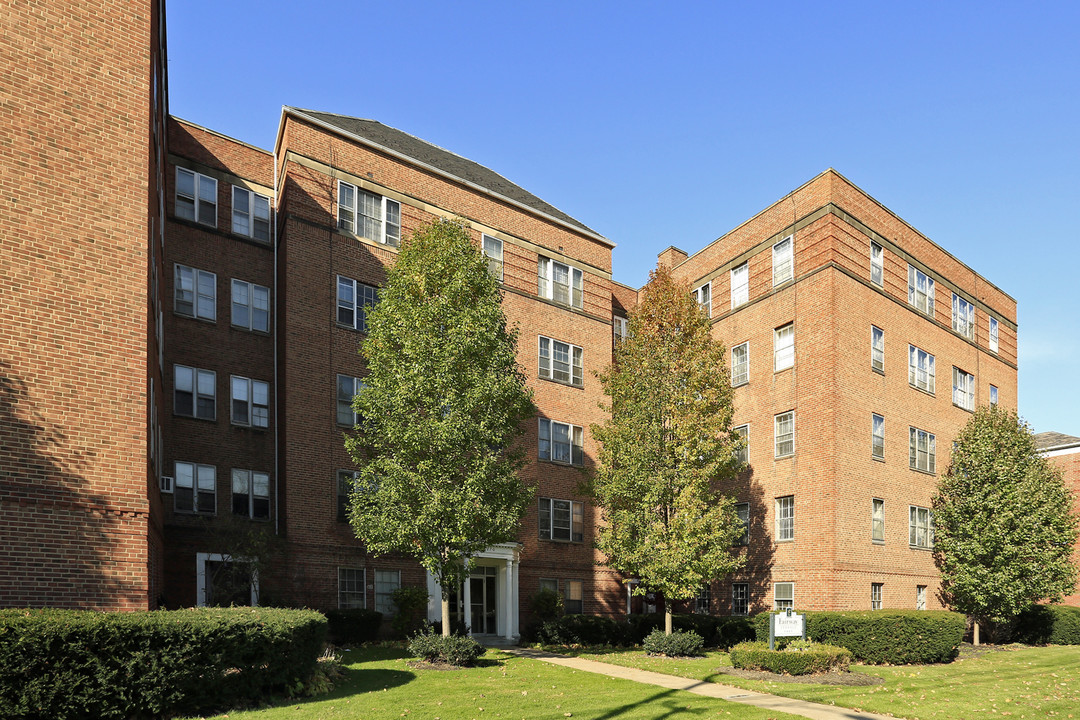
[837, 678]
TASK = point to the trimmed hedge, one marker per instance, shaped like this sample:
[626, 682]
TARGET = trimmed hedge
[1048, 625]
[722, 632]
[580, 630]
[452, 649]
[680, 643]
[798, 658]
[352, 627]
[72, 663]
[883, 637]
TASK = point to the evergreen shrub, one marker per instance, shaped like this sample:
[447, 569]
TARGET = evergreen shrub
[450, 650]
[680, 643]
[800, 657]
[353, 626]
[1048, 625]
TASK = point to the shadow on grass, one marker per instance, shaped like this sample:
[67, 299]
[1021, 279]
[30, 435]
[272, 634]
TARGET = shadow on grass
[664, 702]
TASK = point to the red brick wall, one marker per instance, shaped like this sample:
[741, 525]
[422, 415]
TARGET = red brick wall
[1068, 461]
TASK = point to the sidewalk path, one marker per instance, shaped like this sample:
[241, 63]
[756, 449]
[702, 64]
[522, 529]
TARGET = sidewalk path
[817, 711]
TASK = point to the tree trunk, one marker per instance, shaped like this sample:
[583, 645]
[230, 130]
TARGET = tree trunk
[975, 634]
[667, 619]
[446, 616]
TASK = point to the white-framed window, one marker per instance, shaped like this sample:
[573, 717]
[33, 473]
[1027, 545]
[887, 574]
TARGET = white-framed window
[703, 296]
[784, 347]
[993, 396]
[993, 334]
[351, 585]
[740, 364]
[386, 582]
[369, 215]
[250, 306]
[877, 434]
[251, 494]
[194, 392]
[348, 387]
[920, 291]
[353, 300]
[250, 402]
[742, 454]
[783, 595]
[875, 595]
[740, 598]
[194, 488]
[920, 597]
[877, 520]
[922, 450]
[559, 282]
[877, 264]
[740, 285]
[920, 369]
[782, 266]
[877, 349]
[346, 486]
[703, 600]
[743, 511]
[963, 389]
[784, 434]
[620, 328]
[250, 214]
[561, 442]
[560, 362]
[574, 602]
[195, 293]
[493, 252]
[920, 527]
[963, 317]
[196, 197]
[785, 518]
[561, 520]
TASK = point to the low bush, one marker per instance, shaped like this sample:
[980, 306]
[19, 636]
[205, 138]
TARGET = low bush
[580, 630]
[70, 663]
[716, 631]
[355, 626]
[798, 658]
[1048, 625]
[546, 605]
[450, 650]
[411, 604]
[680, 643]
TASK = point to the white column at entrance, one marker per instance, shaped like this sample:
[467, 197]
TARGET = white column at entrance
[509, 595]
[467, 592]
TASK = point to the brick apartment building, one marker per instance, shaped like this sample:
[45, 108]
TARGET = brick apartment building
[1063, 451]
[206, 300]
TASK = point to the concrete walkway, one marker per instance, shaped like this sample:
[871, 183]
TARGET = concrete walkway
[817, 711]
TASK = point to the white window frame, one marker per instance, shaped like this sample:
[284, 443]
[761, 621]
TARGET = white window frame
[963, 317]
[202, 576]
[877, 349]
[993, 334]
[921, 369]
[877, 520]
[347, 597]
[742, 455]
[353, 300]
[920, 527]
[547, 286]
[547, 370]
[788, 599]
[203, 209]
[251, 301]
[920, 291]
[740, 364]
[251, 480]
[922, 450]
[703, 600]
[993, 395]
[877, 264]
[784, 437]
[740, 598]
[740, 285]
[190, 289]
[551, 446]
[784, 347]
[201, 481]
[783, 261]
[877, 436]
[877, 590]
[920, 597]
[963, 389]
[347, 481]
[382, 215]
[620, 328]
[703, 297]
[254, 217]
[198, 376]
[742, 510]
[785, 518]
[248, 391]
[492, 248]
[572, 511]
[357, 384]
[386, 582]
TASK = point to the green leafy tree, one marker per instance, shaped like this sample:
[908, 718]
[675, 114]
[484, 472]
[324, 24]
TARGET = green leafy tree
[666, 448]
[1003, 522]
[442, 406]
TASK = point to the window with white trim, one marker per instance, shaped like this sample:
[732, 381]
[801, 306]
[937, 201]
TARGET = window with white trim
[561, 520]
[920, 291]
[493, 253]
[922, 449]
[250, 306]
[703, 600]
[351, 585]
[877, 349]
[875, 595]
[785, 518]
[740, 285]
[560, 362]
[877, 264]
[877, 434]
[742, 510]
[194, 488]
[196, 197]
[250, 214]
[346, 486]
[742, 454]
[920, 369]
[251, 494]
[348, 387]
[703, 296]
[559, 283]
[250, 402]
[920, 597]
[784, 347]
[963, 317]
[782, 265]
[993, 396]
[783, 595]
[195, 293]
[920, 527]
[993, 334]
[194, 392]
[620, 328]
[877, 520]
[386, 582]
[561, 442]
[353, 300]
[963, 389]
[369, 215]
[784, 434]
[574, 602]
[740, 364]
[740, 598]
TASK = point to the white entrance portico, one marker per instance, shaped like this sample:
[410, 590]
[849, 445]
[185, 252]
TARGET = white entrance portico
[487, 602]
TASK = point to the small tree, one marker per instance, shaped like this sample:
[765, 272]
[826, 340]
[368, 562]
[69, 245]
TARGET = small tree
[666, 446]
[442, 405]
[1003, 522]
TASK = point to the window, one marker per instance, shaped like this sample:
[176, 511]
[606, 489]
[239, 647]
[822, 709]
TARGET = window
[196, 197]
[782, 267]
[250, 214]
[963, 389]
[784, 347]
[250, 402]
[561, 442]
[251, 494]
[740, 598]
[743, 511]
[963, 317]
[195, 293]
[783, 595]
[877, 349]
[250, 306]
[346, 485]
[784, 434]
[993, 396]
[386, 582]
[920, 597]
[574, 604]
[920, 369]
[785, 518]
[561, 520]
[740, 364]
[877, 520]
[703, 296]
[351, 584]
[877, 265]
[877, 442]
[993, 334]
[369, 215]
[559, 283]
[194, 392]
[921, 450]
[493, 251]
[920, 291]
[875, 595]
[348, 387]
[353, 300]
[549, 584]
[560, 362]
[620, 328]
[742, 455]
[740, 285]
[702, 601]
[920, 527]
[195, 488]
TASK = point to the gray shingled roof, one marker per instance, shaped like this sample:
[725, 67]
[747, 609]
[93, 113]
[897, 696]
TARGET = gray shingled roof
[1047, 440]
[444, 160]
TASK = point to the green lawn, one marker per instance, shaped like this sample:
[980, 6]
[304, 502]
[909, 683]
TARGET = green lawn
[1016, 683]
[380, 684]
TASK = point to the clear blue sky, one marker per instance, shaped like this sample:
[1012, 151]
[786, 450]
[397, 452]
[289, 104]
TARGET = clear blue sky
[663, 124]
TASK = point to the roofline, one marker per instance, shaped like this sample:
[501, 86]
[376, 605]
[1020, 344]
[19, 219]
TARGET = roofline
[221, 135]
[288, 110]
[1061, 449]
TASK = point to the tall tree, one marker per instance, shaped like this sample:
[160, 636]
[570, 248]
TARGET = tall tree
[441, 408]
[665, 449]
[1003, 522]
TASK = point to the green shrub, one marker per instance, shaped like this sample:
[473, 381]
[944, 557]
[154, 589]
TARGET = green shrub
[354, 626]
[451, 650]
[69, 663]
[546, 604]
[457, 627]
[580, 630]
[798, 658]
[411, 603]
[1048, 625]
[680, 643]
[731, 631]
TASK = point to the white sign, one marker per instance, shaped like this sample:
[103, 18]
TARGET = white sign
[785, 625]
